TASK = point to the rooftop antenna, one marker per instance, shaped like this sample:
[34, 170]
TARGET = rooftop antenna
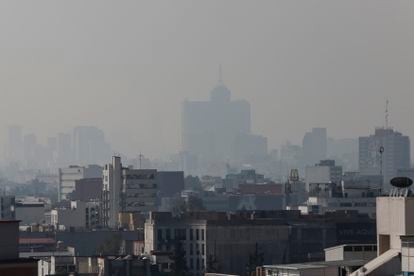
[140, 156]
[386, 114]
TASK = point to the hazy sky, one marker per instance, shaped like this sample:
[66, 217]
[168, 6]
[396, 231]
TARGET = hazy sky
[126, 66]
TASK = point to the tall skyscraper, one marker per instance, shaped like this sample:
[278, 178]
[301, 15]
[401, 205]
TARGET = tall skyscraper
[314, 146]
[384, 153]
[90, 146]
[14, 144]
[210, 128]
[64, 151]
[30, 151]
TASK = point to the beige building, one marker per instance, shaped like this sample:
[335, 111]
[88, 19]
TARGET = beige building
[395, 228]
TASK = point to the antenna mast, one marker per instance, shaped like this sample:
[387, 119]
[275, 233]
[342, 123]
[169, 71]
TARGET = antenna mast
[386, 114]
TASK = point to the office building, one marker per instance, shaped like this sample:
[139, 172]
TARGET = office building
[314, 146]
[384, 153]
[68, 177]
[14, 144]
[64, 150]
[79, 215]
[250, 147]
[90, 146]
[127, 190]
[87, 189]
[209, 128]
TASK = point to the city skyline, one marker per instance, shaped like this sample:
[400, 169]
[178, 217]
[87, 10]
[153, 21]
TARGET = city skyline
[295, 70]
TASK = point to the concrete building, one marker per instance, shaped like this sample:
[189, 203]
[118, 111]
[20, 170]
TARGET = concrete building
[87, 189]
[305, 269]
[69, 176]
[324, 172]
[90, 146]
[210, 128]
[249, 148]
[79, 215]
[384, 153]
[30, 212]
[346, 252]
[170, 183]
[64, 150]
[230, 238]
[127, 190]
[314, 146]
[228, 241]
[14, 144]
[7, 208]
[395, 229]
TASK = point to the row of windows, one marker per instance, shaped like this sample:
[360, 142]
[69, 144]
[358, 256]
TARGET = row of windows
[180, 234]
[139, 176]
[196, 264]
[141, 186]
[360, 248]
[195, 249]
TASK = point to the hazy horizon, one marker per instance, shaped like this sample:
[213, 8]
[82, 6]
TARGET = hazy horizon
[126, 67]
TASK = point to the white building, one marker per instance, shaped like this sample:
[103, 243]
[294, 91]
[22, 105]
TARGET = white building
[127, 190]
[395, 231]
[68, 177]
[384, 153]
[324, 172]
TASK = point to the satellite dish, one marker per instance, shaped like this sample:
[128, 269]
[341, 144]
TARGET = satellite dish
[401, 182]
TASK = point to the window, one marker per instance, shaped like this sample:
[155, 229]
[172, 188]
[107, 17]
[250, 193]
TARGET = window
[191, 249]
[358, 248]
[198, 264]
[191, 264]
[191, 234]
[180, 234]
[197, 249]
[168, 234]
[159, 234]
[202, 234]
[202, 250]
[197, 234]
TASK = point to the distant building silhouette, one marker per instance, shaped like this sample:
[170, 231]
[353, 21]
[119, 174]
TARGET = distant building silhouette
[210, 128]
[314, 146]
[90, 146]
[395, 154]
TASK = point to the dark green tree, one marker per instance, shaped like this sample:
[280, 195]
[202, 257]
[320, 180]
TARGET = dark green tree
[212, 264]
[110, 246]
[255, 259]
[179, 266]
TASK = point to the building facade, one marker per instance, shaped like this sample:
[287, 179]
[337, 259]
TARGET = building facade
[384, 153]
[69, 176]
[210, 128]
[127, 190]
[314, 146]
